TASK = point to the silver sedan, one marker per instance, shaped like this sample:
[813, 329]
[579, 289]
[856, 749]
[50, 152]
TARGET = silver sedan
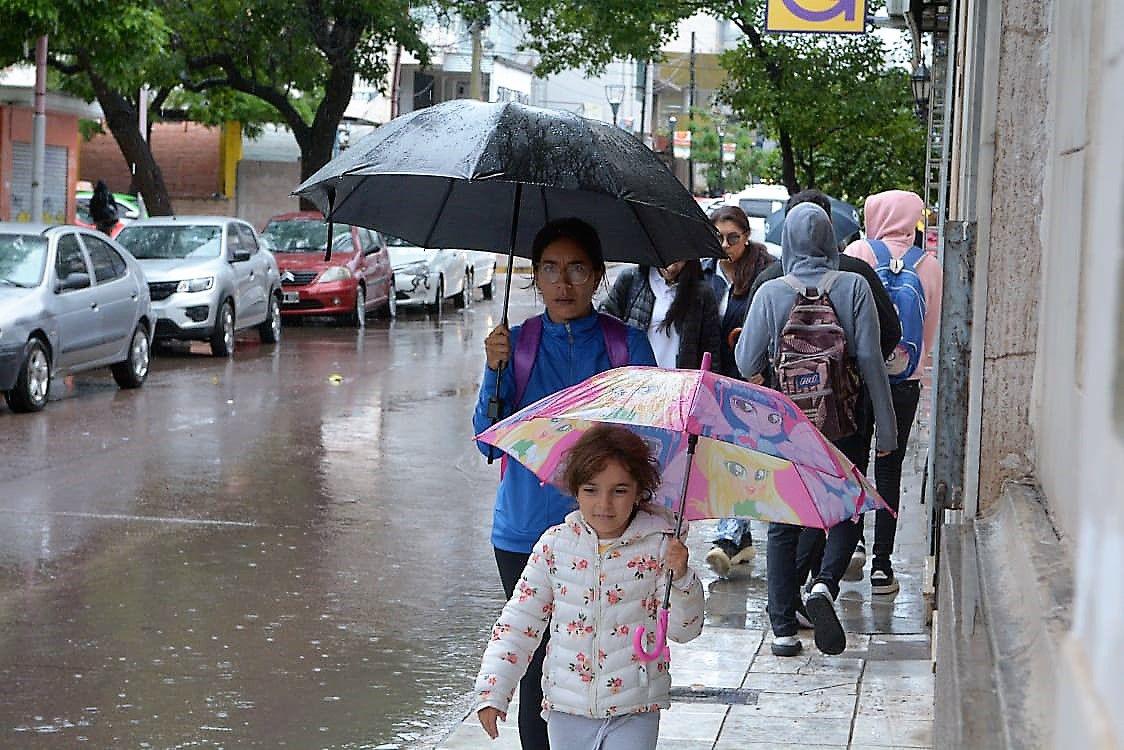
[71, 299]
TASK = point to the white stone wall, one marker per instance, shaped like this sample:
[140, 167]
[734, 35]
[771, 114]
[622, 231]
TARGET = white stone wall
[1088, 189]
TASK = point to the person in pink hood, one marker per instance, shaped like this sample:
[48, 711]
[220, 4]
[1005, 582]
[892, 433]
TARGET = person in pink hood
[891, 218]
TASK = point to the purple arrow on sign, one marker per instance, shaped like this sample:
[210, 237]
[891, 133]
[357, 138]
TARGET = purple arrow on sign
[846, 8]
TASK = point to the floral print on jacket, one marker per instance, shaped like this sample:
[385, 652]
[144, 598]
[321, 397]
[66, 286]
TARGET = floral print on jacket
[592, 601]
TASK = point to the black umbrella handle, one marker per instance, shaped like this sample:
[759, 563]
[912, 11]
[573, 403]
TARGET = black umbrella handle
[692, 441]
[495, 404]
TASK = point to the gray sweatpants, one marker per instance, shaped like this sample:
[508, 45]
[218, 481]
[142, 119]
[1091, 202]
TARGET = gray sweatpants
[625, 732]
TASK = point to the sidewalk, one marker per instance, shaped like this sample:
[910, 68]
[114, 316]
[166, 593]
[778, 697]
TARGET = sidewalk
[731, 693]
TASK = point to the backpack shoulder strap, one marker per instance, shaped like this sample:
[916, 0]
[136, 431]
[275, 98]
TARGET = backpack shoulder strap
[828, 279]
[792, 282]
[523, 359]
[913, 257]
[882, 255]
[616, 339]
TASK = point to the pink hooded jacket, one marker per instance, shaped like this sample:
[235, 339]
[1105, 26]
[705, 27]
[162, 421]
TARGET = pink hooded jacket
[892, 217]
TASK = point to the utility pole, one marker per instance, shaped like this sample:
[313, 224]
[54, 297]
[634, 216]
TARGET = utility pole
[39, 131]
[477, 58]
[691, 120]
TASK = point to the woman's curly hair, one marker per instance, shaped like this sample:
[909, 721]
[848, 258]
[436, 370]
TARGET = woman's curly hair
[603, 443]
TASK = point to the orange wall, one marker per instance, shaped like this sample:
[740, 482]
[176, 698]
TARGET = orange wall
[62, 130]
[188, 153]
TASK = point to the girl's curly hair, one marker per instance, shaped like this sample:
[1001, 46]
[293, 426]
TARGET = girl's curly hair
[603, 443]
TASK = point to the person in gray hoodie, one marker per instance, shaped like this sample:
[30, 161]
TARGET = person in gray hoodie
[808, 251]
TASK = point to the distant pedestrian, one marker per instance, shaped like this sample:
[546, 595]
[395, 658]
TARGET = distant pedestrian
[104, 212]
[914, 279]
[590, 581]
[811, 264]
[548, 352]
[675, 306]
[731, 279]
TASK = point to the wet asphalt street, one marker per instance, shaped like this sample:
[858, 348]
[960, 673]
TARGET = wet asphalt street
[285, 549]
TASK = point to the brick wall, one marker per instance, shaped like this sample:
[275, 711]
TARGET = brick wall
[187, 152]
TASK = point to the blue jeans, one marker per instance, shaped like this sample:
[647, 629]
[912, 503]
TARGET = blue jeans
[793, 551]
[734, 530]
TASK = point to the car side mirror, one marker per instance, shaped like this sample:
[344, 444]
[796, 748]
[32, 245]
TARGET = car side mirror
[73, 281]
[239, 256]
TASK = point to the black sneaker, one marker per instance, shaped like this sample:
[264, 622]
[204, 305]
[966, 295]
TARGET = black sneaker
[882, 580]
[830, 638]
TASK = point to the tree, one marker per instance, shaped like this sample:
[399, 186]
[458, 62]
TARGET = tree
[300, 57]
[751, 163]
[105, 51]
[842, 118]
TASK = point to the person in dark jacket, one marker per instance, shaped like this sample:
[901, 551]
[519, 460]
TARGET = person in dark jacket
[730, 280]
[103, 210]
[677, 309]
[568, 266]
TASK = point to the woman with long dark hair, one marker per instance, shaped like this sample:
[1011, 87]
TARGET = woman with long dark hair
[560, 347]
[730, 280]
[675, 306]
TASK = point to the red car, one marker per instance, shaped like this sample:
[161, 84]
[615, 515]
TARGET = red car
[356, 281]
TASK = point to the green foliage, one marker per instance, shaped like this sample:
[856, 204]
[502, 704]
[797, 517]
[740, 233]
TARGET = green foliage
[751, 164]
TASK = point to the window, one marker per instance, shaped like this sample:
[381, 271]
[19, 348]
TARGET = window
[108, 265]
[69, 258]
[233, 241]
[249, 241]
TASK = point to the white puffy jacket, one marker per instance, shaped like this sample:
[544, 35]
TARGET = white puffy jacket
[593, 601]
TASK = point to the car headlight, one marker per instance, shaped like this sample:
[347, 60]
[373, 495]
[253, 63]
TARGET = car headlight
[417, 268]
[336, 273]
[196, 285]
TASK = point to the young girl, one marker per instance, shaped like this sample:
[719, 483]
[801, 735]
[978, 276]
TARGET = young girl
[591, 581]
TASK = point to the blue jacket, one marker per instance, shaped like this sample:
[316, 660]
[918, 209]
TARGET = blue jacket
[568, 354]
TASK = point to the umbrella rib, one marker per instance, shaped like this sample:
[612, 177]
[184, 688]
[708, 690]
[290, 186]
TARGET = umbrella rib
[652, 242]
[441, 210]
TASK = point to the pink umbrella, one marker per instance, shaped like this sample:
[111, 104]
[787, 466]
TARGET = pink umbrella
[725, 447]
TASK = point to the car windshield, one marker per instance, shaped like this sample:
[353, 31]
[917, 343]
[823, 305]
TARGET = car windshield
[172, 242]
[760, 207]
[22, 259]
[306, 235]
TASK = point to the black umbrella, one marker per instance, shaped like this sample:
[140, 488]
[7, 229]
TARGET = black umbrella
[844, 220]
[465, 174]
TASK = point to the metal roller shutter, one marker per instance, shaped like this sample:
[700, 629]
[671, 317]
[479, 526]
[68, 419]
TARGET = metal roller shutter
[54, 184]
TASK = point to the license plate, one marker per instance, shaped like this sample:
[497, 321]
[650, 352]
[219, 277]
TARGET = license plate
[290, 297]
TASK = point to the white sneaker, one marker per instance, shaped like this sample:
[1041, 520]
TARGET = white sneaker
[786, 645]
[830, 638]
[718, 561]
[858, 562]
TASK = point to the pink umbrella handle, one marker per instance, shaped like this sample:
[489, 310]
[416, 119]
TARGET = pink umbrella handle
[706, 360]
[661, 648]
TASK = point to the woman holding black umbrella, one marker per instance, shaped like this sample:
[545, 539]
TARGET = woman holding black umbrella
[561, 347]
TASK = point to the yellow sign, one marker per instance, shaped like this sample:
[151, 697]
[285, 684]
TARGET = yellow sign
[816, 16]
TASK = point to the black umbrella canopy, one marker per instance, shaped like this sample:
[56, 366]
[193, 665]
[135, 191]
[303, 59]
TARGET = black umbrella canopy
[466, 174]
[844, 220]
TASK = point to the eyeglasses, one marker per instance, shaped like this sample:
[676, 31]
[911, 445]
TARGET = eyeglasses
[575, 273]
[731, 239]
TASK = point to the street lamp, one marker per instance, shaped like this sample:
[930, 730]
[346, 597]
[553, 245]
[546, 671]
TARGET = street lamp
[614, 92]
[921, 82]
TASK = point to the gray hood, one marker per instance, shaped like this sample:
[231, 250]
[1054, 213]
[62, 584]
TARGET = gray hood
[808, 246]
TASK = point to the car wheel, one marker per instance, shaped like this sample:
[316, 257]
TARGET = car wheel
[464, 296]
[34, 380]
[490, 287]
[132, 372]
[392, 301]
[438, 297]
[222, 339]
[358, 316]
[270, 328]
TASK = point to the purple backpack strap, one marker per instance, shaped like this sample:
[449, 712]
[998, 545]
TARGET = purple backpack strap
[616, 339]
[524, 358]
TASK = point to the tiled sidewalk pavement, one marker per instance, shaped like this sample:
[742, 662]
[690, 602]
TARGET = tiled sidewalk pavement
[731, 693]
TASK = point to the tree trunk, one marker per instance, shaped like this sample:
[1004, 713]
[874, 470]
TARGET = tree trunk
[121, 117]
[788, 163]
[317, 142]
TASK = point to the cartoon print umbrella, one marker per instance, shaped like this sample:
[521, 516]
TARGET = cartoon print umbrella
[725, 447]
